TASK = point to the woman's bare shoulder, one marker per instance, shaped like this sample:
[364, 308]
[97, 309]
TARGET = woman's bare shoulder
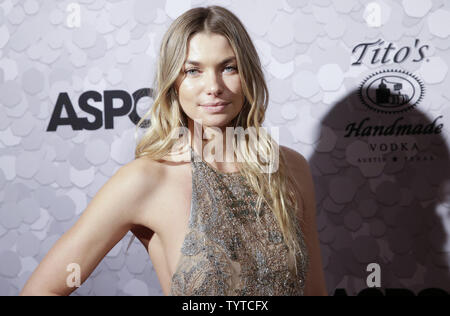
[142, 178]
[300, 170]
[144, 172]
[296, 161]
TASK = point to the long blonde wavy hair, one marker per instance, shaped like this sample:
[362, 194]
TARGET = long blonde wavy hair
[277, 188]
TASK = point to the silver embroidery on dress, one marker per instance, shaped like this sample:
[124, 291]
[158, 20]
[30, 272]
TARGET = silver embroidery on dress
[228, 250]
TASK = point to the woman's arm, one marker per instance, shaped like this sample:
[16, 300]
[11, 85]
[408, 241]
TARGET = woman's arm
[108, 217]
[315, 280]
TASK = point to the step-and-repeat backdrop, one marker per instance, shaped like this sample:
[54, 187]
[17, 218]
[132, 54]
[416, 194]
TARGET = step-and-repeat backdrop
[360, 88]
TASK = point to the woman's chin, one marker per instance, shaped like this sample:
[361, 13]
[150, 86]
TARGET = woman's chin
[218, 121]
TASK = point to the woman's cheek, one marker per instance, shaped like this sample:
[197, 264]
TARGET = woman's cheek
[235, 86]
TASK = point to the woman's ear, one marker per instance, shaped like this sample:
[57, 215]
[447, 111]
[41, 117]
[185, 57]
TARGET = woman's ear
[174, 90]
[176, 87]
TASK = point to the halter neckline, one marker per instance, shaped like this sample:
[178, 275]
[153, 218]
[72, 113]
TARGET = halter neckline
[194, 153]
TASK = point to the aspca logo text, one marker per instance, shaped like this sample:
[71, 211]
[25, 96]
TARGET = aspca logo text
[102, 117]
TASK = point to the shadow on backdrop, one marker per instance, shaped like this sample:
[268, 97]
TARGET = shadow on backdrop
[382, 199]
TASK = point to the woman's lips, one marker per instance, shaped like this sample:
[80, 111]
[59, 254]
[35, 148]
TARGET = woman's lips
[215, 108]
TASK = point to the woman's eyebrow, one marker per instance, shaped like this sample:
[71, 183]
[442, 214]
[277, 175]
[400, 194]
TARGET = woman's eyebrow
[197, 63]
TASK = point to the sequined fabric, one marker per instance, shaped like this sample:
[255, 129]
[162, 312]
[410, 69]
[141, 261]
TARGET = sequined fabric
[228, 249]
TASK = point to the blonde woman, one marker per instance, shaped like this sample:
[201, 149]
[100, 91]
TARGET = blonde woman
[217, 227]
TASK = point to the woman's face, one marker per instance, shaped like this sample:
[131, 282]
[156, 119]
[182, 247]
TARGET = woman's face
[210, 75]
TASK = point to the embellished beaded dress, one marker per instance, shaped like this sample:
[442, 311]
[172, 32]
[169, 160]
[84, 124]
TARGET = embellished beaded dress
[228, 249]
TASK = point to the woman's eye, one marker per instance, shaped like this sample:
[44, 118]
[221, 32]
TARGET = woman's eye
[231, 67]
[189, 71]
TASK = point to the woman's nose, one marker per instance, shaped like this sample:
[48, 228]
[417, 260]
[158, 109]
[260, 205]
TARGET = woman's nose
[213, 84]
